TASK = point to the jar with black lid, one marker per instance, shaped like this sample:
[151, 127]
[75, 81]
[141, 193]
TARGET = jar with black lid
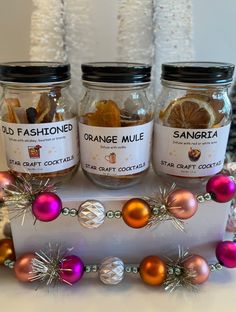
[115, 123]
[192, 119]
[39, 119]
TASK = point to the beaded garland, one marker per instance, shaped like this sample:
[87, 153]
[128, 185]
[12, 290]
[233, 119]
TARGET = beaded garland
[52, 265]
[24, 193]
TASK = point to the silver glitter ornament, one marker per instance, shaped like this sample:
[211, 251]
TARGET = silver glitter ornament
[111, 271]
[91, 214]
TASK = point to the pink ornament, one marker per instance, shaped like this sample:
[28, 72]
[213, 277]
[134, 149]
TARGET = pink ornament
[226, 254]
[6, 178]
[182, 204]
[221, 187]
[23, 267]
[46, 206]
[71, 269]
[198, 267]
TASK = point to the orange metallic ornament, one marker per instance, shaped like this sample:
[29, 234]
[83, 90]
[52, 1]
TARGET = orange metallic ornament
[136, 213]
[6, 250]
[153, 270]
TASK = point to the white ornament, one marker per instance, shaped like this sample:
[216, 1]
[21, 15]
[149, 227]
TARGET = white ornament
[111, 271]
[91, 214]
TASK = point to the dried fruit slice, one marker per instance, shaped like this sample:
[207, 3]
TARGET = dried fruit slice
[199, 96]
[20, 115]
[216, 105]
[189, 113]
[107, 114]
[46, 108]
[42, 116]
[58, 117]
[12, 103]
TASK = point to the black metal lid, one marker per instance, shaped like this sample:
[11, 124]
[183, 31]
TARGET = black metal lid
[198, 72]
[116, 72]
[34, 72]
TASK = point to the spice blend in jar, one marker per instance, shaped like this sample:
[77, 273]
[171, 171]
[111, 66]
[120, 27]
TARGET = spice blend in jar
[39, 119]
[192, 119]
[115, 123]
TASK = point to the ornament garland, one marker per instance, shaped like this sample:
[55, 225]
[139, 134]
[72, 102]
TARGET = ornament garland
[23, 193]
[53, 265]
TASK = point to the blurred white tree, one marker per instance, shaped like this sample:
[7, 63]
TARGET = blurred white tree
[150, 31]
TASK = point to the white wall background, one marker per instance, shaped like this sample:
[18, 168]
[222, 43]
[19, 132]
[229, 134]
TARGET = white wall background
[214, 29]
[14, 29]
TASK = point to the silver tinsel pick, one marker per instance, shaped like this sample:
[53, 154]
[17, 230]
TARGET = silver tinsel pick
[230, 169]
[160, 212]
[20, 195]
[46, 265]
[177, 275]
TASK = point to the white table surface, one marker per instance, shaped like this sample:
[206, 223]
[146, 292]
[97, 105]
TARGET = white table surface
[218, 294]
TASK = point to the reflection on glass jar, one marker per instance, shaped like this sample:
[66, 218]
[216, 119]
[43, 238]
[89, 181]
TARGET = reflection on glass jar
[115, 123]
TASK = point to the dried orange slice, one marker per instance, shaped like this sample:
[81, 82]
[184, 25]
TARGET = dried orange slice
[107, 114]
[216, 104]
[46, 108]
[189, 113]
[12, 103]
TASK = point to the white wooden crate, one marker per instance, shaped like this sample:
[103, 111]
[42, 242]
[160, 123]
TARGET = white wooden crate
[114, 237]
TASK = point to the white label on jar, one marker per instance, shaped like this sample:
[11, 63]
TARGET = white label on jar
[115, 151]
[189, 152]
[41, 148]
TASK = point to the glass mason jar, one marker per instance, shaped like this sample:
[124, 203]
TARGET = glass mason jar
[231, 148]
[115, 123]
[192, 119]
[39, 119]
